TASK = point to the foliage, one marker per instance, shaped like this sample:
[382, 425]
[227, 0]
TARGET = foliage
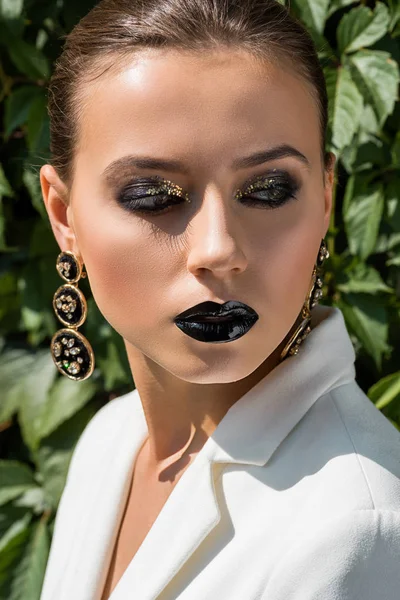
[43, 414]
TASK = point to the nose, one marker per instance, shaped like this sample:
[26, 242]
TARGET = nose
[215, 238]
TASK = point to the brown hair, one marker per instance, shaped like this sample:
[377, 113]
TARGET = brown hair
[113, 28]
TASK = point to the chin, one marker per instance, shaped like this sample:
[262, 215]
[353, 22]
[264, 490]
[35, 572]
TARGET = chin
[214, 370]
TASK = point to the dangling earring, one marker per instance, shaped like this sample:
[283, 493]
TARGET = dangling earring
[70, 350]
[313, 297]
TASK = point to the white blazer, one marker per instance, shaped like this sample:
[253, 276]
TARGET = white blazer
[295, 496]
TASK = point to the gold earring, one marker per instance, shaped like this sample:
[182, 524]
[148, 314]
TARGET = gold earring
[313, 297]
[71, 352]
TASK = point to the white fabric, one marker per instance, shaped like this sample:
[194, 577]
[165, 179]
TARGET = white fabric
[295, 496]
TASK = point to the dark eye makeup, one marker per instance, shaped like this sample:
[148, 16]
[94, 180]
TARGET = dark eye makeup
[269, 191]
[151, 195]
[154, 195]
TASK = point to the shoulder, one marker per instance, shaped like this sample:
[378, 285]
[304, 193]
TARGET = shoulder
[374, 441]
[362, 420]
[350, 557]
[345, 453]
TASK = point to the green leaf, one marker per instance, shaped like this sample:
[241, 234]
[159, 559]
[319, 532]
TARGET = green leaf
[368, 321]
[376, 75]
[366, 153]
[5, 188]
[15, 479]
[17, 107]
[394, 7]
[11, 9]
[44, 245]
[388, 242]
[38, 125]
[393, 205]
[14, 364]
[345, 106]
[396, 150]
[12, 533]
[33, 499]
[362, 279]
[9, 305]
[336, 5]
[313, 13]
[55, 451]
[10, 514]
[113, 367]
[362, 213]
[12, 545]
[395, 30]
[32, 298]
[368, 122]
[385, 390]
[28, 574]
[394, 261]
[362, 27]
[36, 385]
[26, 57]
[31, 180]
[37, 283]
[65, 398]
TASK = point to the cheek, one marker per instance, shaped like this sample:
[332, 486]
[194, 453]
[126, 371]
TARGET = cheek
[291, 247]
[125, 267]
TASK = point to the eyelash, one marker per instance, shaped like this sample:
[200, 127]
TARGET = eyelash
[160, 189]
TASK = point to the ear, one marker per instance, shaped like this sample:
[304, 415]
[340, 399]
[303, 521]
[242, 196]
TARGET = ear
[329, 182]
[55, 196]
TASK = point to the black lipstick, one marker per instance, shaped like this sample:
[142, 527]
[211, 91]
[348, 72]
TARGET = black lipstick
[217, 323]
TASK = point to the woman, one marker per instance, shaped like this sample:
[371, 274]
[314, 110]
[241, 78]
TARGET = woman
[189, 169]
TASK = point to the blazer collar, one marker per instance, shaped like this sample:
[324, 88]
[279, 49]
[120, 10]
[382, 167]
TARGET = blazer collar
[259, 421]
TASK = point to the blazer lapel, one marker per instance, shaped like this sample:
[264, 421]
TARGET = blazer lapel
[97, 518]
[189, 515]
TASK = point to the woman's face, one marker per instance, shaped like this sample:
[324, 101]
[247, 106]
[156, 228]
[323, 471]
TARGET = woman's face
[206, 111]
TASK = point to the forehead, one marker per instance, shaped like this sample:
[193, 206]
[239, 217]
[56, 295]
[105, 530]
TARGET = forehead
[207, 107]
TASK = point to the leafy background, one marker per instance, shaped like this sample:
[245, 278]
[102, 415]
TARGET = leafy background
[42, 414]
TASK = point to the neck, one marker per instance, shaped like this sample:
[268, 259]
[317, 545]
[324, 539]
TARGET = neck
[181, 415]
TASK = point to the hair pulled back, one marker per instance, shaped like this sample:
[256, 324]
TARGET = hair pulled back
[114, 29]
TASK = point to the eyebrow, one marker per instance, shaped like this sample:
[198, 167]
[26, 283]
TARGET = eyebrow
[282, 151]
[176, 166]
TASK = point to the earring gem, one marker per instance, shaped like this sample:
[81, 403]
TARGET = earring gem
[74, 368]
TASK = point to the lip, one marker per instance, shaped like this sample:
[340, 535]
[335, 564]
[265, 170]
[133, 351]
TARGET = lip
[217, 323]
[209, 311]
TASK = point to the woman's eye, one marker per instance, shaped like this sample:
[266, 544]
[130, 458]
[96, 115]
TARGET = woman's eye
[271, 192]
[148, 197]
[151, 198]
[146, 204]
